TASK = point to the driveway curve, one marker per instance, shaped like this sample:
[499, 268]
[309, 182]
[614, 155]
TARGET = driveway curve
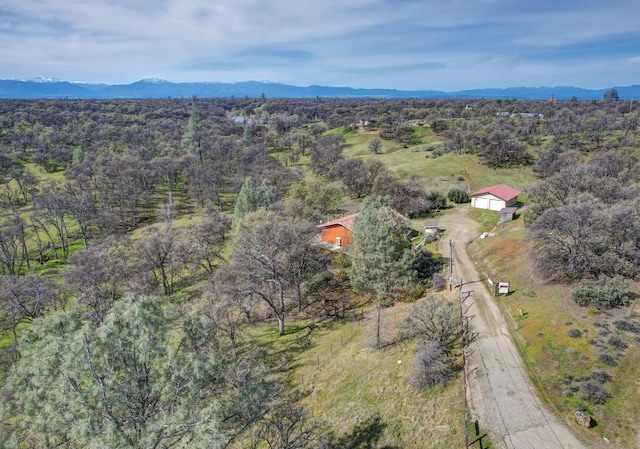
[500, 392]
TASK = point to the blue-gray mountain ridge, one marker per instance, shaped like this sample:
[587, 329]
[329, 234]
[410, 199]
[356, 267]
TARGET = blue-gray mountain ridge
[154, 88]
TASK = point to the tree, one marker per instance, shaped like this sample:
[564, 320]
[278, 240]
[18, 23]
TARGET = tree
[52, 205]
[611, 95]
[193, 137]
[251, 198]
[458, 195]
[82, 207]
[380, 253]
[575, 241]
[13, 245]
[288, 426]
[99, 276]
[375, 145]
[501, 148]
[270, 260]
[408, 196]
[160, 254]
[437, 320]
[596, 127]
[25, 298]
[316, 194]
[353, 174]
[431, 366]
[437, 199]
[208, 239]
[326, 153]
[140, 379]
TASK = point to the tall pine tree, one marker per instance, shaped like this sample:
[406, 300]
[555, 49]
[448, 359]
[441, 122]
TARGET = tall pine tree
[251, 198]
[381, 258]
[193, 137]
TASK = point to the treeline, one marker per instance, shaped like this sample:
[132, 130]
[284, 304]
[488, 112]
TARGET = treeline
[583, 218]
[122, 159]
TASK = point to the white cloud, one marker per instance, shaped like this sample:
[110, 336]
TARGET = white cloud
[413, 44]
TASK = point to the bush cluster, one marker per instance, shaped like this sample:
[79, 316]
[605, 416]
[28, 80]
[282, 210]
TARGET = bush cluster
[458, 196]
[605, 293]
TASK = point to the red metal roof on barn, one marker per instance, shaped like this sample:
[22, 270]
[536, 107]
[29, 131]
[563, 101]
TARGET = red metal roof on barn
[502, 191]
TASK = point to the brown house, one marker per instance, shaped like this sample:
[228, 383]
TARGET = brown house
[339, 231]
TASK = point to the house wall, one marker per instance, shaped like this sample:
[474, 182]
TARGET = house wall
[496, 204]
[505, 218]
[491, 202]
[512, 202]
[330, 233]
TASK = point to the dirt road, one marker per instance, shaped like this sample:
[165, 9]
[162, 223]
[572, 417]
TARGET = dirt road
[500, 392]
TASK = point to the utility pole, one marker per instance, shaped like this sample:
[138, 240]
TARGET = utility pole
[463, 325]
[450, 265]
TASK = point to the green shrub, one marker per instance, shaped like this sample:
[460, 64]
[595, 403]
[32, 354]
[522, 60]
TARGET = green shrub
[438, 199]
[600, 377]
[628, 326]
[574, 333]
[594, 393]
[617, 342]
[605, 293]
[607, 359]
[458, 196]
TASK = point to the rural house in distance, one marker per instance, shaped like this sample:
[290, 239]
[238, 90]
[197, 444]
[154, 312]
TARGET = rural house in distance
[495, 197]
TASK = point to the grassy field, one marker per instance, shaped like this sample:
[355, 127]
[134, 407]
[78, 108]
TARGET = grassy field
[440, 173]
[562, 342]
[361, 392]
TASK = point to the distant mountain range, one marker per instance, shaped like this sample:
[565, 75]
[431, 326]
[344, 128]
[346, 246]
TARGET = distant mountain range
[155, 88]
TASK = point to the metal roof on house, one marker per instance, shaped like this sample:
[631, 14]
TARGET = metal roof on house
[502, 191]
[346, 221]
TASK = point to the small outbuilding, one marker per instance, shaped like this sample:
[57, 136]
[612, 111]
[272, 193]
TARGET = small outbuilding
[507, 214]
[495, 197]
[431, 227]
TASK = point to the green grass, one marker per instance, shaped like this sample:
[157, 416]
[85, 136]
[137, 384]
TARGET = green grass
[349, 385]
[486, 218]
[42, 175]
[440, 173]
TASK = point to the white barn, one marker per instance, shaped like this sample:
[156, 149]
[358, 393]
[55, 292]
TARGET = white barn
[495, 197]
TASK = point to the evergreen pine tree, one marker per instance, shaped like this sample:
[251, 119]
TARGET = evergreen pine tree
[193, 136]
[380, 253]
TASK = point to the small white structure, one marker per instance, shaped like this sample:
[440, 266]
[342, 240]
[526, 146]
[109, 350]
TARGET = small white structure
[431, 227]
[495, 197]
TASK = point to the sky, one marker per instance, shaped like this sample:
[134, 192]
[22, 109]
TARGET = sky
[396, 44]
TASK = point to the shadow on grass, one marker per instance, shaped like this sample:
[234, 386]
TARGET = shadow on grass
[280, 353]
[364, 435]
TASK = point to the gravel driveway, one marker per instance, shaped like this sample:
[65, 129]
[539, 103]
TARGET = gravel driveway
[500, 392]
